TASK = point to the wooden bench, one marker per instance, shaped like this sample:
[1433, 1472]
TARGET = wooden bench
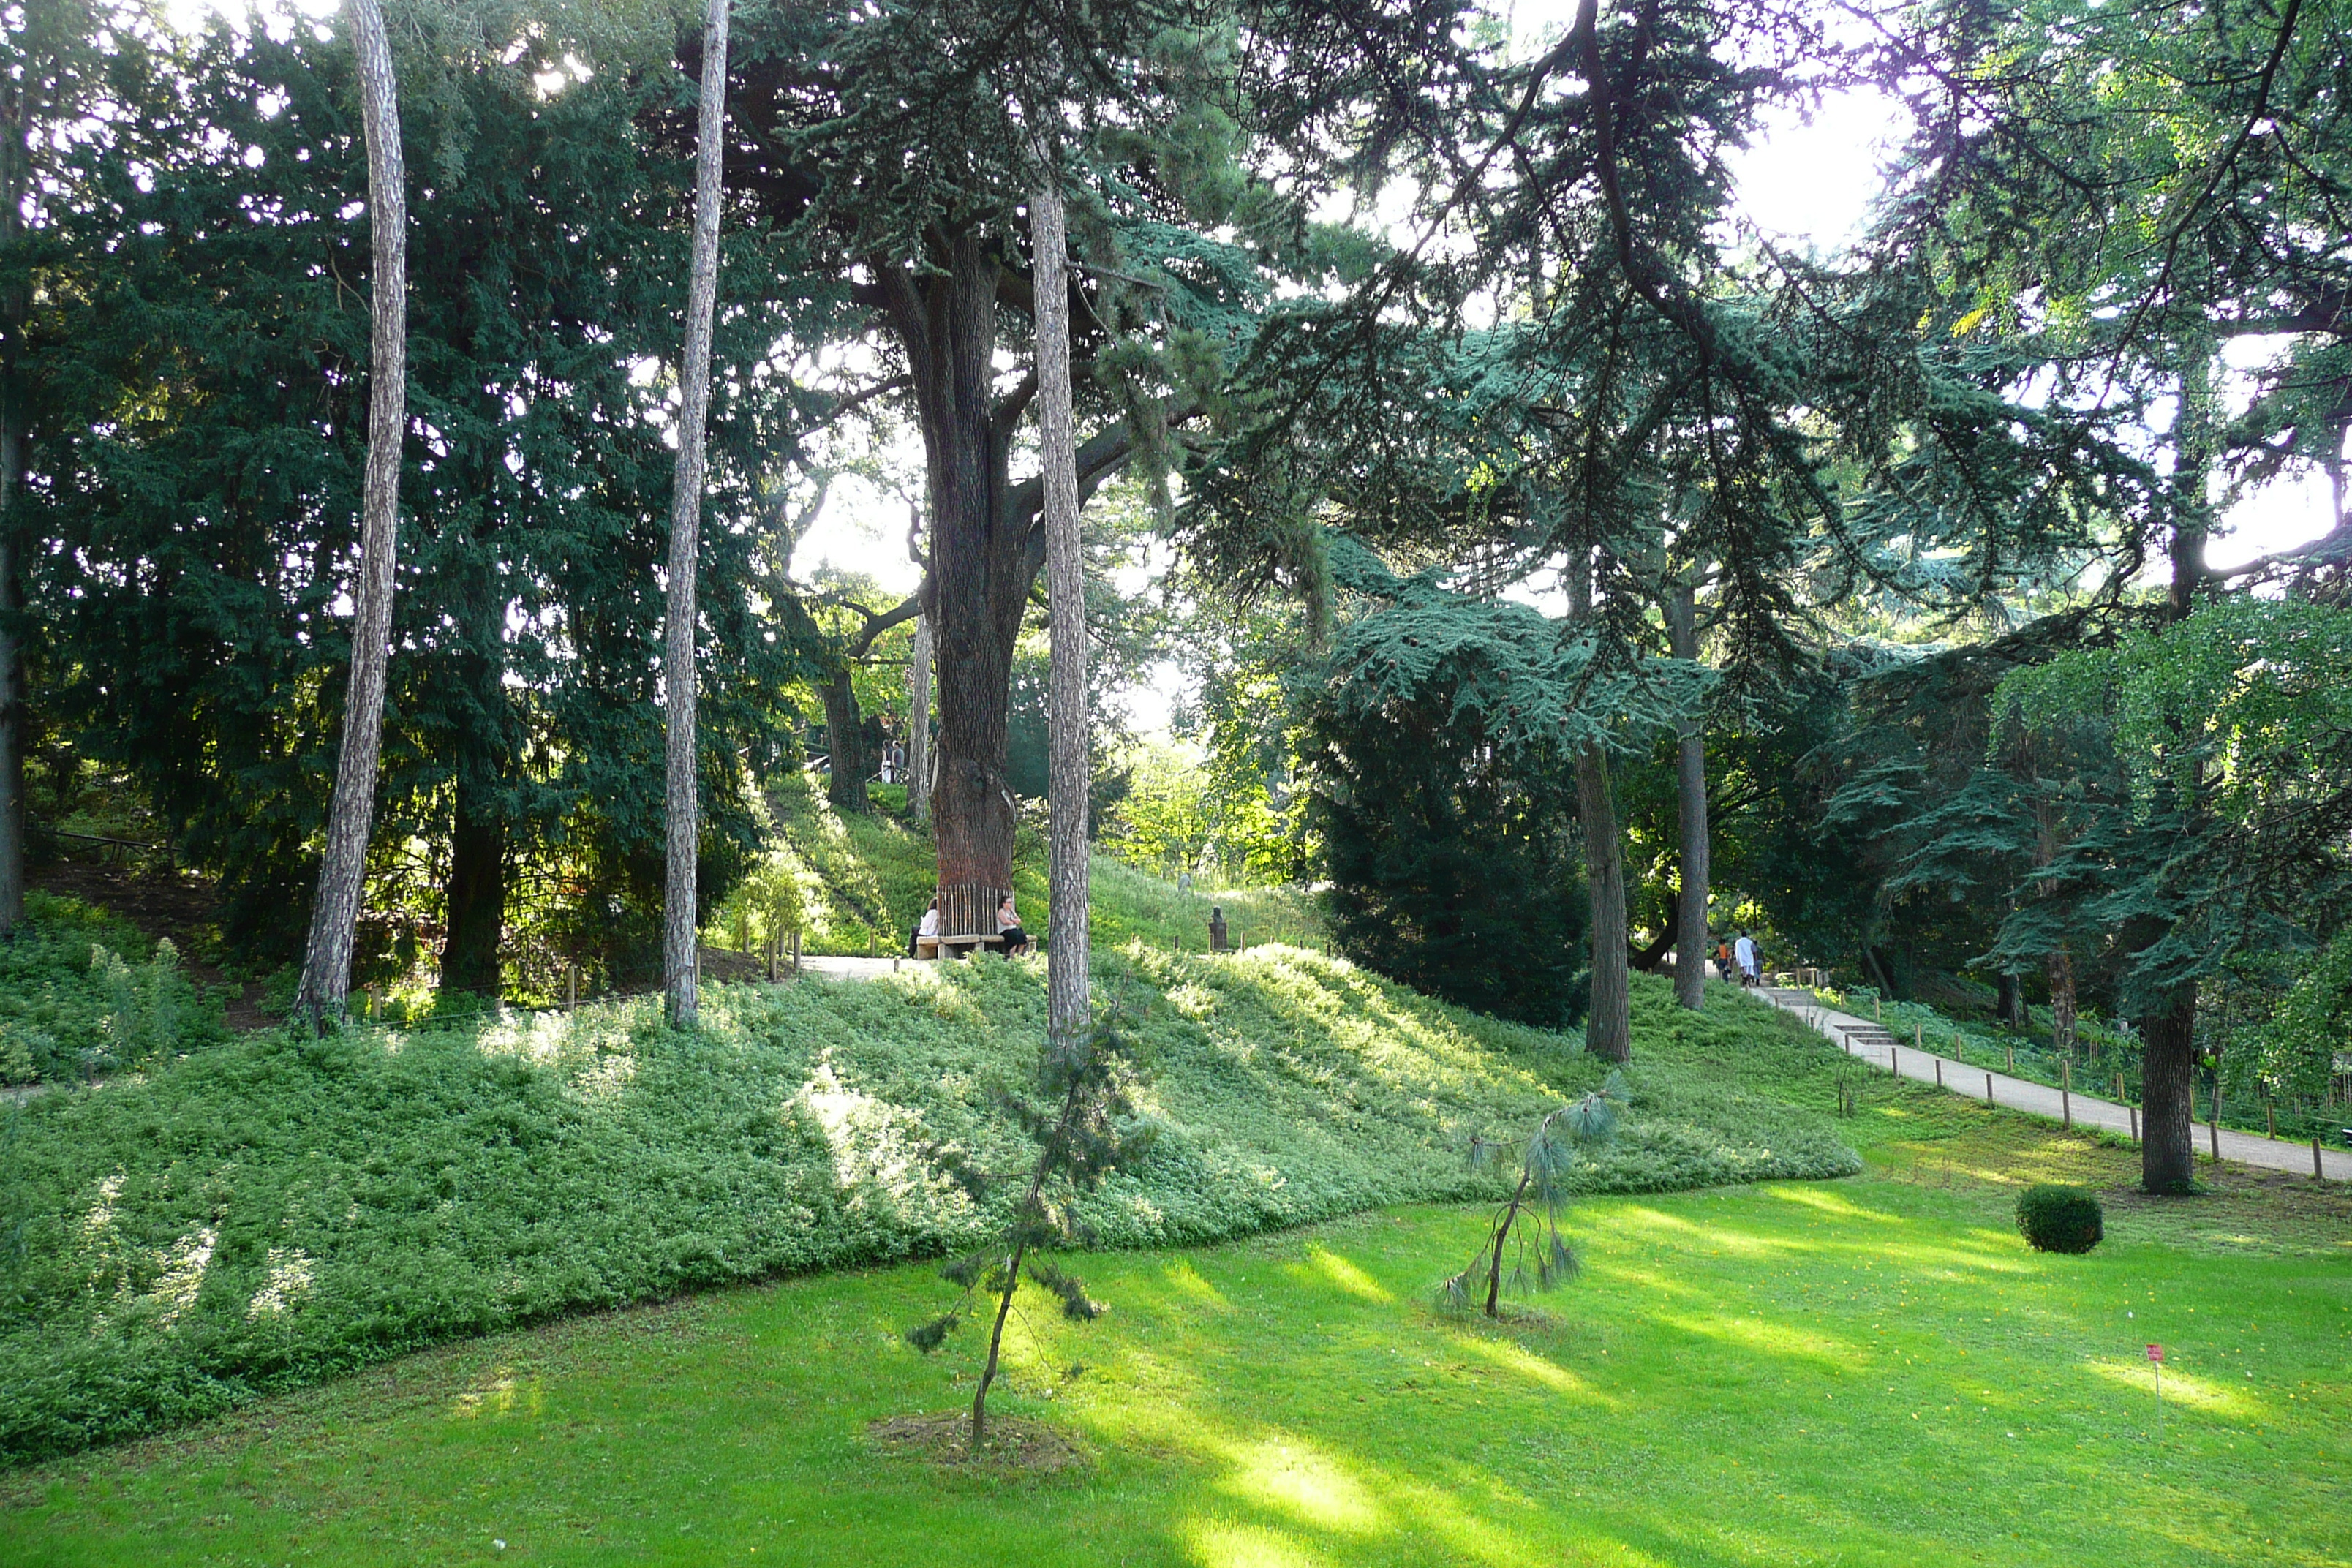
[930, 946]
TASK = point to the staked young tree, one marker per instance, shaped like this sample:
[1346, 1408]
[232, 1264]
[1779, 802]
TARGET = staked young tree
[682, 840]
[334, 916]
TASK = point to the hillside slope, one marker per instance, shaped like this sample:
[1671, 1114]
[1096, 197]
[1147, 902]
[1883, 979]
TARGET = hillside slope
[275, 1210]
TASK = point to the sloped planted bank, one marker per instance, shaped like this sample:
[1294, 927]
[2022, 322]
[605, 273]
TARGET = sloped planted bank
[275, 1211]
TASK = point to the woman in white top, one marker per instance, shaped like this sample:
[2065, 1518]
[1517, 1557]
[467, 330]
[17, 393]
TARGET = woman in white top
[928, 926]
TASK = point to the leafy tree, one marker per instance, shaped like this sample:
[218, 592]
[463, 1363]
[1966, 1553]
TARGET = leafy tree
[200, 465]
[918, 207]
[2235, 730]
[1084, 1121]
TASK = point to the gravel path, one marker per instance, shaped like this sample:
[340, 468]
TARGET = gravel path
[1872, 1043]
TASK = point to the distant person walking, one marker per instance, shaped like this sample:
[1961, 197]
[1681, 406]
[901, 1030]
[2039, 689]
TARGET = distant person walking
[1743, 953]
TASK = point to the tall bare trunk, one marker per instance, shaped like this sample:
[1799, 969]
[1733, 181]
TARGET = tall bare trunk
[680, 908]
[2062, 1002]
[919, 722]
[477, 898]
[1608, 1026]
[1690, 776]
[342, 870]
[14, 161]
[1608, 1019]
[2168, 1034]
[1068, 1015]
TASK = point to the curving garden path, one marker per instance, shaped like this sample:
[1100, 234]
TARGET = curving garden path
[1874, 1044]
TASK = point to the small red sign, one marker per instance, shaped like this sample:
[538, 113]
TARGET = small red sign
[2155, 1353]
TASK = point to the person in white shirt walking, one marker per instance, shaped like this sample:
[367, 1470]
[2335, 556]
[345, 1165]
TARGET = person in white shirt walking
[1743, 953]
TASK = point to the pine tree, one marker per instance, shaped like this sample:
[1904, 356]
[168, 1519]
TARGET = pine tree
[334, 917]
[681, 910]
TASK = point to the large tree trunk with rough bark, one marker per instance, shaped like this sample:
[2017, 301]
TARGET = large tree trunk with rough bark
[2168, 1031]
[919, 723]
[477, 896]
[981, 564]
[1608, 1026]
[1690, 777]
[342, 870]
[681, 907]
[1068, 1011]
[847, 761]
[2168, 1107]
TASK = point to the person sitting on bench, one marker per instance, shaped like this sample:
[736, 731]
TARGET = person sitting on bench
[1008, 934]
[928, 926]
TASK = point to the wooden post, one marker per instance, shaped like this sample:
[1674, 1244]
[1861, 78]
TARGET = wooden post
[2012, 1056]
[797, 954]
[2134, 1122]
[2316, 1171]
[1988, 1088]
[1919, 1035]
[1894, 1060]
[1939, 1072]
[2213, 1126]
[570, 986]
[2067, 1094]
[2269, 1115]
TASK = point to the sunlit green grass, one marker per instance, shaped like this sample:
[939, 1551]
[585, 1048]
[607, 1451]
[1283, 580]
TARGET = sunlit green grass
[1865, 1371]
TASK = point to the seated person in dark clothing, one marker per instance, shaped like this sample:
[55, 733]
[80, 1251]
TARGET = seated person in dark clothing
[1008, 934]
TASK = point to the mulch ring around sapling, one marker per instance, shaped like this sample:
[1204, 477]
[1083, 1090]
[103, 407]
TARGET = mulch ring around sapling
[1013, 1444]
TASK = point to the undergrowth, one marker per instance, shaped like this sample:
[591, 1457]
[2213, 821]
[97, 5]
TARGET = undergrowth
[83, 995]
[278, 1210]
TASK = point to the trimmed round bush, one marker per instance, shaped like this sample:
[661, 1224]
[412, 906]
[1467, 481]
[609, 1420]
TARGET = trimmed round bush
[2054, 1217]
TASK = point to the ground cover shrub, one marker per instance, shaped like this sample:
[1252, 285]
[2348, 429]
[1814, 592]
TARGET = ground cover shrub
[279, 1209]
[83, 995]
[2055, 1217]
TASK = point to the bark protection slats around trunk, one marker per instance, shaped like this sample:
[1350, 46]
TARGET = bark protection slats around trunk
[334, 917]
[680, 904]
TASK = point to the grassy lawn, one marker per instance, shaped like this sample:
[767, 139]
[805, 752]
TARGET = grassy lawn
[1861, 1371]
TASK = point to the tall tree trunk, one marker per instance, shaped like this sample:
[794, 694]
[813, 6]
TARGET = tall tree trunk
[2062, 1002]
[1609, 1020]
[342, 870]
[680, 903]
[981, 563]
[2168, 1150]
[845, 730]
[1690, 780]
[13, 717]
[1068, 771]
[477, 897]
[1609, 1026]
[15, 160]
[2168, 1030]
[919, 723]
